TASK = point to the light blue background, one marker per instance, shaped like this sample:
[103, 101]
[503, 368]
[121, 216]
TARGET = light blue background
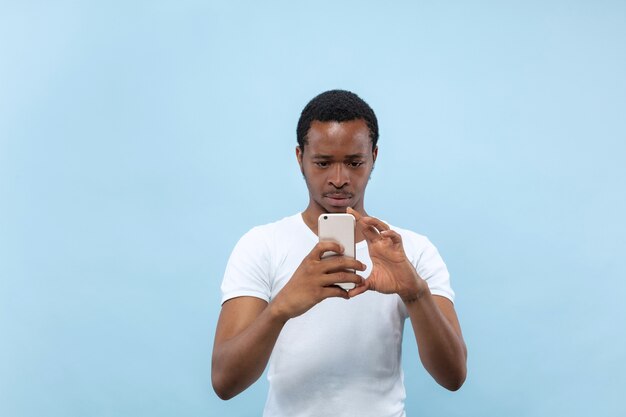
[140, 140]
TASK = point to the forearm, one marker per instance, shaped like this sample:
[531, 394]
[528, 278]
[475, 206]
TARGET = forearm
[238, 362]
[441, 347]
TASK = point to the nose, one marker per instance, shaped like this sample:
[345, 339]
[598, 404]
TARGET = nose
[338, 176]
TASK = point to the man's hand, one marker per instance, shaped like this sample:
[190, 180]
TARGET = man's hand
[314, 281]
[392, 272]
[248, 327]
[436, 327]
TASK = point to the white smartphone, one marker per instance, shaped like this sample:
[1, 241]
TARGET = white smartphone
[338, 227]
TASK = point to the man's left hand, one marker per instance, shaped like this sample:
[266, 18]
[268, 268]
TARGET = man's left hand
[392, 272]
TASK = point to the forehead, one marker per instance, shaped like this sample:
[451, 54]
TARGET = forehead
[332, 137]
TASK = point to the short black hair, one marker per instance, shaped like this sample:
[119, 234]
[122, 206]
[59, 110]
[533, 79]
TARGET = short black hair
[336, 106]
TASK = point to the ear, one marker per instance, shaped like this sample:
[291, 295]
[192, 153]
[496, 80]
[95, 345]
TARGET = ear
[375, 154]
[299, 158]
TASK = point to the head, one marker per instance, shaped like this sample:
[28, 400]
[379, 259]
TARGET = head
[336, 106]
[337, 147]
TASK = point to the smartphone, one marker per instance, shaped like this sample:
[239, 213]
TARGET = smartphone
[338, 227]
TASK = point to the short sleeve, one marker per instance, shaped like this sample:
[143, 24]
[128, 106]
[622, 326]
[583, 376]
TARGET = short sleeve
[433, 270]
[248, 269]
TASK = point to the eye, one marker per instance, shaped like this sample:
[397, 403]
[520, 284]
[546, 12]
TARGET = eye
[355, 164]
[321, 164]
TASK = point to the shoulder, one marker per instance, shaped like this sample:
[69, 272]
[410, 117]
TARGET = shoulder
[251, 265]
[427, 261]
[418, 248]
[267, 237]
[270, 230]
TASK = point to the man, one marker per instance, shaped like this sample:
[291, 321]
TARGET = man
[334, 352]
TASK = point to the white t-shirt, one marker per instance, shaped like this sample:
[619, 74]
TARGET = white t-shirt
[342, 357]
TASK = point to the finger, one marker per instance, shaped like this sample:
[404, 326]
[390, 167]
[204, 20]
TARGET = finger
[334, 291]
[341, 263]
[326, 246]
[370, 232]
[341, 276]
[355, 213]
[393, 235]
[370, 221]
[359, 289]
[378, 224]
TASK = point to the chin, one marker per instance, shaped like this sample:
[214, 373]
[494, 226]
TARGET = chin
[335, 209]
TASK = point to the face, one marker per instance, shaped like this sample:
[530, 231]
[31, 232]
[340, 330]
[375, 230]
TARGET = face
[336, 163]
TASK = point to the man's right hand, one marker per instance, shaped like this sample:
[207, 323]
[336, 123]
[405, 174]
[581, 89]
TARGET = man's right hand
[248, 327]
[314, 281]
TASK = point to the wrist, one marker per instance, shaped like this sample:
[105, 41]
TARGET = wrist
[277, 313]
[415, 293]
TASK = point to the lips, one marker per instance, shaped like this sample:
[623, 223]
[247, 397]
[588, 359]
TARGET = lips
[338, 199]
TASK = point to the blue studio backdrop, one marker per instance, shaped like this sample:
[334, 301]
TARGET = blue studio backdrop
[140, 140]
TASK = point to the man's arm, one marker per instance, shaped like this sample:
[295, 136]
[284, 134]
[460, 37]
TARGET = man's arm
[245, 336]
[248, 327]
[434, 321]
[440, 342]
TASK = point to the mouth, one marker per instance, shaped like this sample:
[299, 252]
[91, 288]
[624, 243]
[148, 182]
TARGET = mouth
[338, 199]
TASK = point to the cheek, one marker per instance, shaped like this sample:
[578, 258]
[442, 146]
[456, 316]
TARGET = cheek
[311, 173]
[313, 180]
[363, 177]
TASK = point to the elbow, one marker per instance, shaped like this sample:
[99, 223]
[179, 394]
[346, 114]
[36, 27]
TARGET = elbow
[223, 395]
[455, 385]
[456, 382]
[456, 378]
[221, 384]
[221, 389]
[228, 382]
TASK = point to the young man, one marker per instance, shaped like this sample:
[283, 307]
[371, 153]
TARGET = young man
[334, 352]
